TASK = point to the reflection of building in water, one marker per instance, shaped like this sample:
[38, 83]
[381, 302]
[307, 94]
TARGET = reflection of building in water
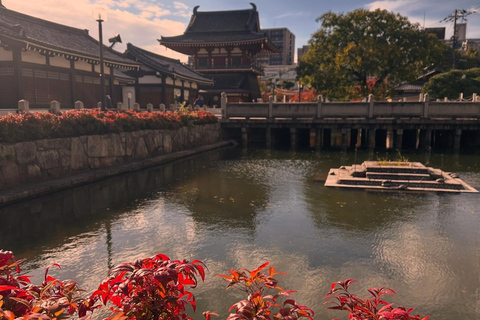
[225, 199]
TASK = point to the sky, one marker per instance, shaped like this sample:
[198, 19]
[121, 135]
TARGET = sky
[142, 22]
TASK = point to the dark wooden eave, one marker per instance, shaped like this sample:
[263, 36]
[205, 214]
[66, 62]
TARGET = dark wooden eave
[54, 39]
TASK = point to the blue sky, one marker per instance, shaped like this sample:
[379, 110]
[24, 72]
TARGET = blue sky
[141, 22]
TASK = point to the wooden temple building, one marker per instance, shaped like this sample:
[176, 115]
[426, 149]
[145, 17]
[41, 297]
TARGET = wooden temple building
[163, 80]
[41, 61]
[223, 45]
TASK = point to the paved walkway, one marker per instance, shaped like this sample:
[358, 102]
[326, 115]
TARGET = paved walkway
[32, 190]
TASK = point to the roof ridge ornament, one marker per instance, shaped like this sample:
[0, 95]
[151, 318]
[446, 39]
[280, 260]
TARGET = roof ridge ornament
[251, 3]
[195, 9]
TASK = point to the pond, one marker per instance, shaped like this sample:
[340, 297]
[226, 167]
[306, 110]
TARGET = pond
[236, 208]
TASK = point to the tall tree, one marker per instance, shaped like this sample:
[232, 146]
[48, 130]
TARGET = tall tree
[363, 52]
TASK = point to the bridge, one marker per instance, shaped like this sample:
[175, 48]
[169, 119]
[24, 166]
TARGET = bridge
[446, 125]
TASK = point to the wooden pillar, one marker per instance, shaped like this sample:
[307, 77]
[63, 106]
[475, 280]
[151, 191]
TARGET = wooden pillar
[164, 89]
[268, 137]
[399, 139]
[244, 136]
[457, 140]
[371, 138]
[389, 142]
[17, 71]
[293, 138]
[73, 81]
[318, 138]
[111, 83]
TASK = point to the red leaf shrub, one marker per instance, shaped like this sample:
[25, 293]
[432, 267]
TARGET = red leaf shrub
[374, 308]
[152, 288]
[260, 304]
[53, 299]
[73, 123]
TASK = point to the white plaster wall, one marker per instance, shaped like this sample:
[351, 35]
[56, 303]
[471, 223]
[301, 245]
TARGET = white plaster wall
[83, 65]
[194, 85]
[61, 62]
[149, 80]
[5, 55]
[33, 57]
[169, 81]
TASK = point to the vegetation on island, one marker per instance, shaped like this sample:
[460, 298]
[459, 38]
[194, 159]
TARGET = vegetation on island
[450, 84]
[159, 288]
[368, 52]
[37, 125]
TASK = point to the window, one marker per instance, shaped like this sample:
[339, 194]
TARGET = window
[202, 62]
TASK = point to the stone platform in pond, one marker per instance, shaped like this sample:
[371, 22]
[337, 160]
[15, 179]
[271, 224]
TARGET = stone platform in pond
[396, 176]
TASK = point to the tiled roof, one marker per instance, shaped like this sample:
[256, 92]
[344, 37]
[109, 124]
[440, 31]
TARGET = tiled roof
[43, 34]
[224, 21]
[222, 27]
[166, 65]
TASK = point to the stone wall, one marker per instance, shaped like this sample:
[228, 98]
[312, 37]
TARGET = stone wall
[53, 158]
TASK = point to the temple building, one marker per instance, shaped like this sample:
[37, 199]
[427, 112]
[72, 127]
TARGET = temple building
[223, 45]
[163, 80]
[41, 61]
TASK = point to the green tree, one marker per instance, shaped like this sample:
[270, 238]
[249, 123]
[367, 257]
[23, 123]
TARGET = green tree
[363, 52]
[450, 84]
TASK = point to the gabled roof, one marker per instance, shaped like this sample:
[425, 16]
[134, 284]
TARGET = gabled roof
[234, 27]
[49, 37]
[165, 65]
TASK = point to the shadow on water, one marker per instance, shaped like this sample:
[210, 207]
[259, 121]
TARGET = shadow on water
[50, 220]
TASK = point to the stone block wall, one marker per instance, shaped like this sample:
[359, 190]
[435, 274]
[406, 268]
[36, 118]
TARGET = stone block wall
[53, 158]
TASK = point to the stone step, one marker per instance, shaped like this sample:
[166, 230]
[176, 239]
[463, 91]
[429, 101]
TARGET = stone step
[398, 176]
[398, 169]
[454, 185]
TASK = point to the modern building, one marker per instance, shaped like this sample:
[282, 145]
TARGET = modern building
[223, 45]
[163, 80]
[301, 52]
[41, 61]
[284, 40]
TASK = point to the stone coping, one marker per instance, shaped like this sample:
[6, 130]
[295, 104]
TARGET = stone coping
[23, 192]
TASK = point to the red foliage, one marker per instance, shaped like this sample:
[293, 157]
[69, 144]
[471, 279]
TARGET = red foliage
[53, 299]
[38, 125]
[308, 95]
[259, 303]
[374, 308]
[152, 288]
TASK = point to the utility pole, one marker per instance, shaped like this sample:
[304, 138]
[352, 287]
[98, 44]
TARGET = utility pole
[457, 14]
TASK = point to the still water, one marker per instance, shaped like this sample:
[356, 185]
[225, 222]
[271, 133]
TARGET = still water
[234, 208]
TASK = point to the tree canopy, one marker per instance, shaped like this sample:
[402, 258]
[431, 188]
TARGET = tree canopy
[450, 84]
[363, 52]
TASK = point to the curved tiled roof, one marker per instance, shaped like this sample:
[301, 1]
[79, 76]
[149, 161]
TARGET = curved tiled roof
[226, 27]
[166, 65]
[42, 34]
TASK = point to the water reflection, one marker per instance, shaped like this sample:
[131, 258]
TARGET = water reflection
[240, 208]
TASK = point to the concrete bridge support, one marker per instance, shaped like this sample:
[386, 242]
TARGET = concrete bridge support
[293, 138]
[346, 133]
[399, 139]
[389, 141]
[268, 138]
[425, 139]
[457, 140]
[245, 136]
[371, 138]
[318, 138]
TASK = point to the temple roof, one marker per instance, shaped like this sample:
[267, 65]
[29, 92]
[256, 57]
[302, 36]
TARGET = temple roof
[165, 65]
[57, 39]
[234, 27]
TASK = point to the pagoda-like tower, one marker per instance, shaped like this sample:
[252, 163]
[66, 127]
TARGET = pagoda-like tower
[223, 45]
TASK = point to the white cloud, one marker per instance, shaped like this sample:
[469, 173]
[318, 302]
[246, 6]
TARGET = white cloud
[142, 30]
[180, 5]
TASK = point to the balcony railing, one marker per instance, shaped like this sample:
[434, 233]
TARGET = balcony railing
[232, 67]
